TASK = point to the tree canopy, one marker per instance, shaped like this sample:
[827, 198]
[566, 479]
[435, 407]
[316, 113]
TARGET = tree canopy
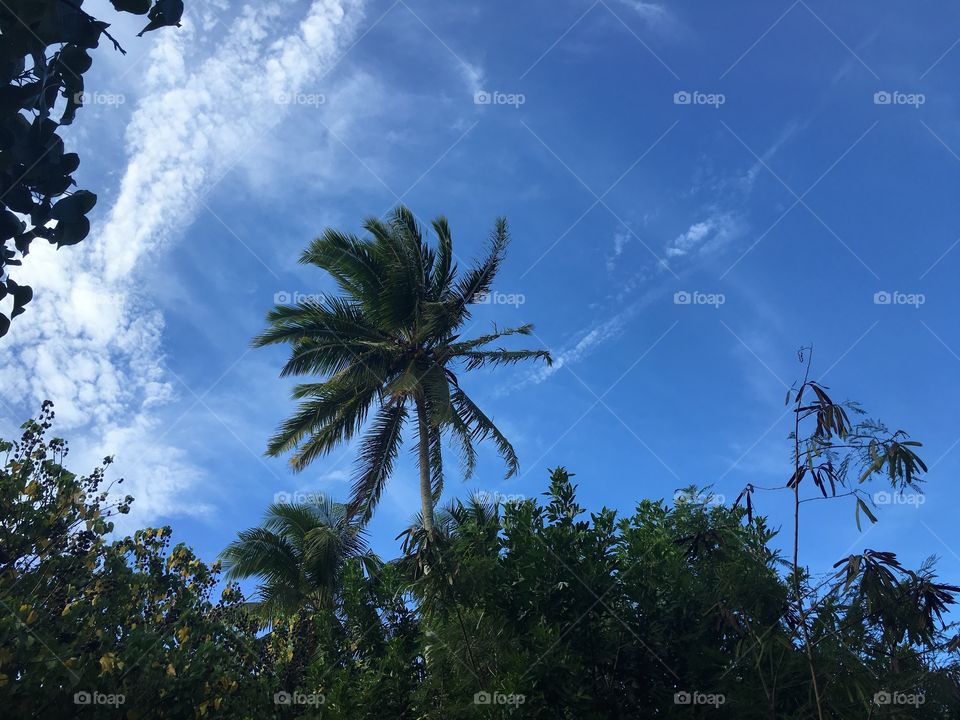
[391, 343]
[533, 609]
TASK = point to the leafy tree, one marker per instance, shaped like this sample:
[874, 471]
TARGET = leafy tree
[625, 617]
[829, 451]
[533, 609]
[43, 57]
[391, 342]
[93, 627]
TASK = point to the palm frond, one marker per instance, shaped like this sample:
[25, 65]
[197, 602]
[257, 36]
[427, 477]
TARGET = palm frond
[323, 422]
[480, 279]
[481, 427]
[295, 520]
[348, 259]
[477, 342]
[443, 270]
[258, 552]
[323, 356]
[482, 358]
[464, 438]
[325, 317]
[378, 453]
[435, 453]
[436, 388]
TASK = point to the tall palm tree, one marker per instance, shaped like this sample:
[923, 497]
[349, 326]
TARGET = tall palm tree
[391, 342]
[298, 553]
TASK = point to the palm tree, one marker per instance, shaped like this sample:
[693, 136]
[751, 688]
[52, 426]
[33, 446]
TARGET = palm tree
[390, 343]
[298, 552]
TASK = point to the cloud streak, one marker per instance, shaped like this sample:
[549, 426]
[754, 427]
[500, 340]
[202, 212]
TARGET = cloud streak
[91, 342]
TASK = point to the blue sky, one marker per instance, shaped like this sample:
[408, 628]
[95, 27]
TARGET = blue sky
[786, 188]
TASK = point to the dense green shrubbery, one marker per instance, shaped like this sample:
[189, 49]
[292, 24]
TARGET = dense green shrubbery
[533, 606]
[89, 618]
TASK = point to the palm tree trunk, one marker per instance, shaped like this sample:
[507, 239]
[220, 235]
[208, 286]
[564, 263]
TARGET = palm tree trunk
[426, 488]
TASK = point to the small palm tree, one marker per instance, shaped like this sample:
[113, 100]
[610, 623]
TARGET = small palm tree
[391, 342]
[298, 553]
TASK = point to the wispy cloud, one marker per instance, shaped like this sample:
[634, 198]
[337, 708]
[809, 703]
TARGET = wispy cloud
[748, 179]
[590, 339]
[651, 12]
[707, 235]
[473, 75]
[620, 239]
[92, 342]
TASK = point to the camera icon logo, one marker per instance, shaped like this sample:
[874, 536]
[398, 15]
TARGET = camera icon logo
[282, 297]
[282, 698]
[82, 698]
[882, 97]
[682, 97]
[482, 298]
[682, 698]
[482, 698]
[682, 297]
[882, 698]
[482, 97]
[882, 298]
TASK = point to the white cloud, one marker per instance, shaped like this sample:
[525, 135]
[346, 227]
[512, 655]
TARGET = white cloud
[651, 12]
[584, 344]
[620, 239]
[473, 76]
[748, 180]
[90, 341]
[706, 235]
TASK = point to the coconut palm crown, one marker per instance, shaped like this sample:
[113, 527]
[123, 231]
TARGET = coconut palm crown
[298, 554]
[388, 347]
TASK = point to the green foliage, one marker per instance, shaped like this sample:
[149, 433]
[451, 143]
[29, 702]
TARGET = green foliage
[298, 553]
[829, 450]
[107, 618]
[536, 606]
[43, 57]
[607, 617]
[389, 342]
